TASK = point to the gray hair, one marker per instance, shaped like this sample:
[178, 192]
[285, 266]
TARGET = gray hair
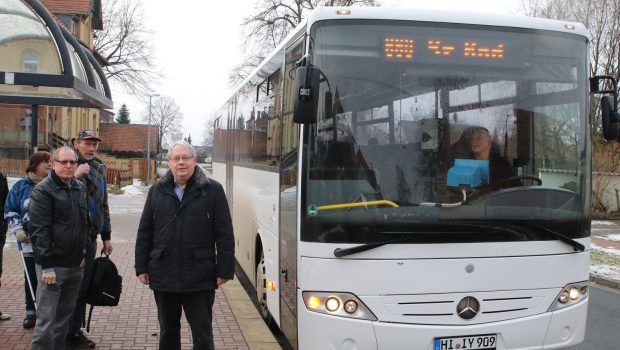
[185, 144]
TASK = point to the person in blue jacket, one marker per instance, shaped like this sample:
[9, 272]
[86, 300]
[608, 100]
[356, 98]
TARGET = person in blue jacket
[16, 215]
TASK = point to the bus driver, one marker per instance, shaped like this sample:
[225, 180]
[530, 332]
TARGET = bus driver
[483, 148]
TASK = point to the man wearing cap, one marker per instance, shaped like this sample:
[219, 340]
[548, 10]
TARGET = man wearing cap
[91, 171]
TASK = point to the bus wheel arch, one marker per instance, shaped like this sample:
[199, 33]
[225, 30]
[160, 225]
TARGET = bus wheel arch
[261, 282]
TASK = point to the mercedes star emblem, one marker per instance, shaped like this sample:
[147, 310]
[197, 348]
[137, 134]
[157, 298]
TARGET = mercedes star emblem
[468, 308]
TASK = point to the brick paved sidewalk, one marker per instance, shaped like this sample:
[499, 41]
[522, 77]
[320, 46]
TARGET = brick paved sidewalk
[130, 325]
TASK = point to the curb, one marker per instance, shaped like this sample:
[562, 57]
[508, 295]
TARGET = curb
[605, 281]
[256, 333]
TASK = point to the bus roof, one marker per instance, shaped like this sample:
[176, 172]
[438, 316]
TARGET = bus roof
[444, 16]
[273, 60]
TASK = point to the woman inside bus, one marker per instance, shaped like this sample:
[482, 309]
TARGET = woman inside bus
[482, 147]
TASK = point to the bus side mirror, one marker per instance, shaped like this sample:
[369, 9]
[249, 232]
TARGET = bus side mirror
[306, 94]
[610, 118]
[609, 105]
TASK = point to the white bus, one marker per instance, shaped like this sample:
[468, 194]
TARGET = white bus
[360, 214]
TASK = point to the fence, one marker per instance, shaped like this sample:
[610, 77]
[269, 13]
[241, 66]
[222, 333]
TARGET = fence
[119, 177]
[13, 167]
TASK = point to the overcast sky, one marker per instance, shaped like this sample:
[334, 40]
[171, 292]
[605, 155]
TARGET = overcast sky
[197, 43]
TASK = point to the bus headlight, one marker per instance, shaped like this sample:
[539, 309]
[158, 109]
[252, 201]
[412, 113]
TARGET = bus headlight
[332, 304]
[570, 295]
[350, 306]
[337, 304]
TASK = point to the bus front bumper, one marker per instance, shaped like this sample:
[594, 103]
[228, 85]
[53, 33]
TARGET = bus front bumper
[550, 330]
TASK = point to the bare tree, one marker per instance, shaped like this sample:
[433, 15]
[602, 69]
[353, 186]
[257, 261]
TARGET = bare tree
[167, 116]
[209, 130]
[605, 162]
[271, 21]
[125, 44]
[601, 19]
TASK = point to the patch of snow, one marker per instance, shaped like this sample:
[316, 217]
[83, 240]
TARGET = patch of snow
[606, 250]
[613, 237]
[612, 272]
[12, 181]
[605, 223]
[134, 189]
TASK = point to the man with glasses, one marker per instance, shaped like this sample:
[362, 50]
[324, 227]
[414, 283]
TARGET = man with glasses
[91, 171]
[184, 226]
[59, 231]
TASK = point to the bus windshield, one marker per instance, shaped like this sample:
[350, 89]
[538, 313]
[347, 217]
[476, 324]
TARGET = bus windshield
[445, 133]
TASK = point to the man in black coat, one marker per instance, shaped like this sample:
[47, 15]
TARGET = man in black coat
[59, 228]
[185, 248]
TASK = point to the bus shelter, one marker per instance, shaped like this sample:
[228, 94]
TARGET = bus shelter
[50, 83]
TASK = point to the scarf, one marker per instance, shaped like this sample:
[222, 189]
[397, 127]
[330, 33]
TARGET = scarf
[35, 178]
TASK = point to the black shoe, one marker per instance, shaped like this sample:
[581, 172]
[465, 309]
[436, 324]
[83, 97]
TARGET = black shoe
[29, 321]
[80, 341]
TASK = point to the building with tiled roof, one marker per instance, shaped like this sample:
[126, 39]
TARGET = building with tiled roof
[82, 7]
[127, 139]
[80, 17]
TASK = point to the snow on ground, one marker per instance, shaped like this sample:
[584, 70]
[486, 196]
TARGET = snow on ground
[12, 181]
[613, 237]
[611, 251]
[606, 271]
[603, 223]
[134, 189]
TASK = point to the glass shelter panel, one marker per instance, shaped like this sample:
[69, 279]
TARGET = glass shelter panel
[23, 35]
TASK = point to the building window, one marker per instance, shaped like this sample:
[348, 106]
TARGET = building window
[31, 62]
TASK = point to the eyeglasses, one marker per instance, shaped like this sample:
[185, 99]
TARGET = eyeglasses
[181, 158]
[65, 162]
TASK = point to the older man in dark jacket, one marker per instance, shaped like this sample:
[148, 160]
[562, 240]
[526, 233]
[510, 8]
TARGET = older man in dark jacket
[185, 248]
[59, 230]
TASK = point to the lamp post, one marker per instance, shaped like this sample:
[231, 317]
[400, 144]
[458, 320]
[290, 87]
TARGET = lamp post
[148, 142]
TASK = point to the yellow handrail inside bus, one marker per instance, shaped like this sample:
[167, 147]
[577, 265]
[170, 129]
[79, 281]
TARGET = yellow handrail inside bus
[357, 204]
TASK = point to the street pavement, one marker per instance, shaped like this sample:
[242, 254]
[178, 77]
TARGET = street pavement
[133, 323]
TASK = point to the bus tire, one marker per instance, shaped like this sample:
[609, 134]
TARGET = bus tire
[261, 289]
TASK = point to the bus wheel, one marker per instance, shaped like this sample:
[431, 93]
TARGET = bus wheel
[261, 289]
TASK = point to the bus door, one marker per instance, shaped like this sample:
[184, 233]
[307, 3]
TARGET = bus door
[289, 190]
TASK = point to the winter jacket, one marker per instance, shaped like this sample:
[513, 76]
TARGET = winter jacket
[185, 245]
[16, 207]
[96, 188]
[58, 222]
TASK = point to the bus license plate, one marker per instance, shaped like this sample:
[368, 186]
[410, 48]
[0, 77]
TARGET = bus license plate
[473, 342]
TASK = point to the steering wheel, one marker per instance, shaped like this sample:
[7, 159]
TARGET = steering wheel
[495, 185]
[515, 178]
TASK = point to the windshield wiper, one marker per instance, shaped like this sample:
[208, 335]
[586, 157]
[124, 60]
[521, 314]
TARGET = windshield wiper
[576, 245]
[340, 252]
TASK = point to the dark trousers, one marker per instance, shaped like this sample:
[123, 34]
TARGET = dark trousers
[198, 309]
[55, 307]
[80, 305]
[32, 274]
